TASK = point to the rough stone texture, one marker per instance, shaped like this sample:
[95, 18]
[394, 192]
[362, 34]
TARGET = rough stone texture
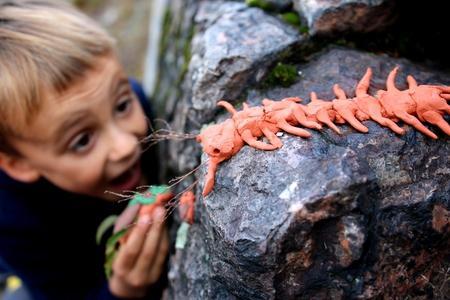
[273, 5]
[325, 17]
[174, 51]
[233, 46]
[280, 4]
[356, 216]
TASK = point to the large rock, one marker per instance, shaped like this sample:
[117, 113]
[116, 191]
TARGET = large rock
[325, 17]
[329, 217]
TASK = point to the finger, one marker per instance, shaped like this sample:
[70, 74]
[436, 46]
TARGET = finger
[151, 244]
[413, 121]
[126, 217]
[443, 88]
[120, 288]
[445, 96]
[436, 119]
[350, 118]
[158, 264]
[129, 252]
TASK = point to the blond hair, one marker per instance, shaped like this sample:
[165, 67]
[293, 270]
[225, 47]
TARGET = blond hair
[45, 45]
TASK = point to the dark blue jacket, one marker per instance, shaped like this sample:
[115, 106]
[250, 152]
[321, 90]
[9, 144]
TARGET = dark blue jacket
[47, 237]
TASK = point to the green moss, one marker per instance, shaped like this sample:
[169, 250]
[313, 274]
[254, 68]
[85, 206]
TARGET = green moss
[282, 74]
[303, 29]
[163, 47]
[263, 4]
[291, 18]
[187, 54]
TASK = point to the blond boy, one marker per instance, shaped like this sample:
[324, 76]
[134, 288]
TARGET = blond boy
[70, 129]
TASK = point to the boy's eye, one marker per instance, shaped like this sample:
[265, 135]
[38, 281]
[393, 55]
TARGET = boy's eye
[124, 105]
[81, 142]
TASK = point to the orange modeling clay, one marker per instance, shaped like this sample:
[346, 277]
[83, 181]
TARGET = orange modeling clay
[400, 105]
[367, 105]
[251, 123]
[220, 142]
[347, 110]
[431, 103]
[321, 111]
[186, 208]
[286, 113]
[427, 102]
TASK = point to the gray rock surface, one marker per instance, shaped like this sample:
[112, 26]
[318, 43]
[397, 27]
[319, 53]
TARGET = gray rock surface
[233, 46]
[325, 17]
[331, 217]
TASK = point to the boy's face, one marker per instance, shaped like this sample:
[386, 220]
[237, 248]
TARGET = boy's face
[86, 140]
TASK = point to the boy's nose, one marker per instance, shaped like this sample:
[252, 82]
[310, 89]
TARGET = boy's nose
[123, 144]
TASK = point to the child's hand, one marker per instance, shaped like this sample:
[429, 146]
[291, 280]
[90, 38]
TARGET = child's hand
[141, 259]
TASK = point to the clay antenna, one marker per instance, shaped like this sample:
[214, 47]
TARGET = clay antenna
[164, 134]
[174, 202]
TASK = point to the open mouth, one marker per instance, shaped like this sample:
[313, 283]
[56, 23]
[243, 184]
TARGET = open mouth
[129, 179]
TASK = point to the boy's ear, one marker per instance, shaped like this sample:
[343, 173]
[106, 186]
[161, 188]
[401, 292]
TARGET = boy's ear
[18, 168]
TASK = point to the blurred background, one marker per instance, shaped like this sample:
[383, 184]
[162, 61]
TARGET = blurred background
[128, 22]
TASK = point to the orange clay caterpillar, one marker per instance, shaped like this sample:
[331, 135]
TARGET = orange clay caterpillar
[417, 104]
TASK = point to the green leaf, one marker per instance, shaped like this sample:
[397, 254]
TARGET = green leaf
[111, 250]
[103, 227]
[149, 196]
[108, 263]
[182, 234]
[112, 241]
[159, 189]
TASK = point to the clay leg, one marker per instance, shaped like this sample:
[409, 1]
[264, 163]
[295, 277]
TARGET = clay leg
[347, 115]
[322, 116]
[377, 117]
[282, 124]
[273, 139]
[436, 119]
[362, 116]
[210, 177]
[413, 121]
[252, 141]
[300, 115]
